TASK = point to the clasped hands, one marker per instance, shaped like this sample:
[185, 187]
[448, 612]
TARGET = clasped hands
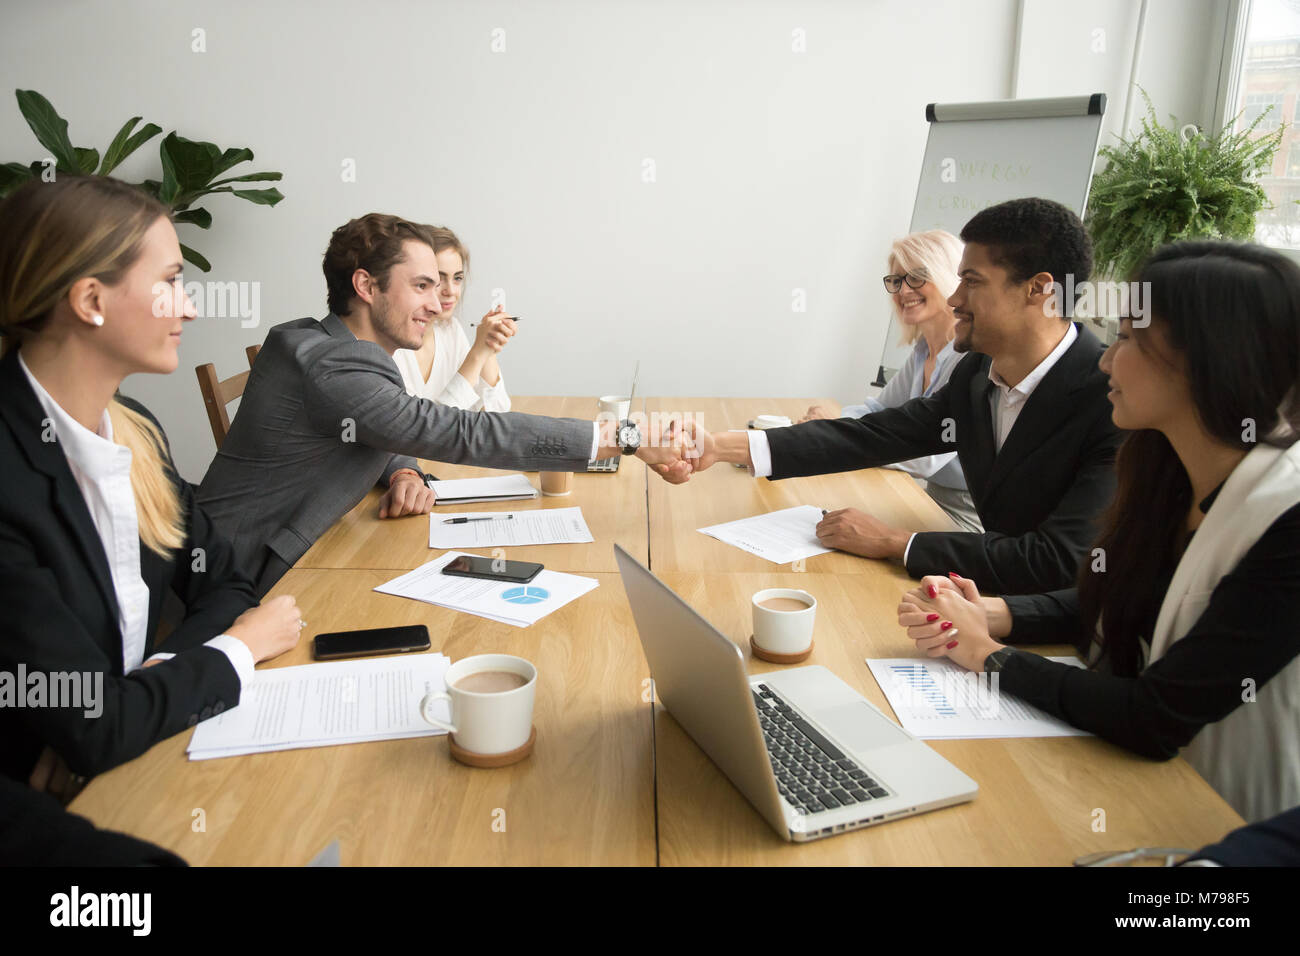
[946, 617]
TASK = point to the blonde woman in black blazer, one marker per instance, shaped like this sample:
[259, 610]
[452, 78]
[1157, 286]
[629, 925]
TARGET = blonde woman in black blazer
[95, 524]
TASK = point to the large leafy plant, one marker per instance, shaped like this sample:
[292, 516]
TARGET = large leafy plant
[190, 169]
[1160, 187]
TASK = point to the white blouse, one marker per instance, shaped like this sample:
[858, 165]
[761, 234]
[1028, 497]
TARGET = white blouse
[445, 385]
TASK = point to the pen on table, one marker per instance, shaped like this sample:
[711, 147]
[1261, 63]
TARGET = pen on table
[467, 520]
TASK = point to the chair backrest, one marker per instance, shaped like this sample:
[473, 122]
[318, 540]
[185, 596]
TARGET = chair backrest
[217, 394]
[251, 352]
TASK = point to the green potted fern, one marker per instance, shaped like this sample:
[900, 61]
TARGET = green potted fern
[191, 170]
[1161, 187]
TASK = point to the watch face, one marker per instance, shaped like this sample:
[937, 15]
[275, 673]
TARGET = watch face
[629, 436]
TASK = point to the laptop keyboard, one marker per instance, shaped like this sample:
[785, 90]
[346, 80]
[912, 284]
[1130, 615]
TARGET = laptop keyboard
[812, 774]
[605, 464]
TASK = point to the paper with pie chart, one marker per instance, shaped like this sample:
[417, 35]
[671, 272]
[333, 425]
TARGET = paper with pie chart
[507, 602]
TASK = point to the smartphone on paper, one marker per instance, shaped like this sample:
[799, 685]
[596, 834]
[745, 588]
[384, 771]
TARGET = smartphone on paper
[493, 569]
[376, 640]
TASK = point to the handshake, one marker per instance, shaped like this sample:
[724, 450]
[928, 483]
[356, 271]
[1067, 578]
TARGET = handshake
[676, 446]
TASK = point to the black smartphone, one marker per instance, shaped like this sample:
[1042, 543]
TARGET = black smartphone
[493, 569]
[376, 640]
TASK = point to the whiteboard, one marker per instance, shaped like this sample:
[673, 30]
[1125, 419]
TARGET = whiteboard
[981, 154]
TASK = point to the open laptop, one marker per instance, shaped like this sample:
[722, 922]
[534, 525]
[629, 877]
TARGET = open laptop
[812, 755]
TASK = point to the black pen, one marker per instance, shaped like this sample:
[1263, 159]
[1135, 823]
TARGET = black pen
[467, 520]
[512, 318]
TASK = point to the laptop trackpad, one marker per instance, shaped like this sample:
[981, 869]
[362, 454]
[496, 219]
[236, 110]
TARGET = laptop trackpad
[860, 727]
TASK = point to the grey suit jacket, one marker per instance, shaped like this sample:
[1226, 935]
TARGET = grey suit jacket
[324, 417]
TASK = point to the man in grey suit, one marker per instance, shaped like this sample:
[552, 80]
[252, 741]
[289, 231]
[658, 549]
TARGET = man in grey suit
[325, 415]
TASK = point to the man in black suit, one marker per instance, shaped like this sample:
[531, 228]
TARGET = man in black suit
[1026, 410]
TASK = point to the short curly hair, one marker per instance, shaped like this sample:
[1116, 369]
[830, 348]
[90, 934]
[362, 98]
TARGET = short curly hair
[1029, 236]
[374, 243]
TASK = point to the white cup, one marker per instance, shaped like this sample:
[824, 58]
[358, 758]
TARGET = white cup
[486, 723]
[784, 632]
[764, 422]
[617, 407]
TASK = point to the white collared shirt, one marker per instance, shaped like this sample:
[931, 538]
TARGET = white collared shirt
[1007, 401]
[102, 470]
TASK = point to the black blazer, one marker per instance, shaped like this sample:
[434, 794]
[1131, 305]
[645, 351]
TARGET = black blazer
[59, 613]
[1038, 498]
[36, 831]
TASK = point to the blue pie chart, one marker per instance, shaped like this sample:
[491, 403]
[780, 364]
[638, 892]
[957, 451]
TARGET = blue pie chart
[525, 595]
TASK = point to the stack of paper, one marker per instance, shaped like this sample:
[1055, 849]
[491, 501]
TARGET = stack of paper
[321, 705]
[939, 700]
[515, 604]
[779, 536]
[462, 491]
[555, 526]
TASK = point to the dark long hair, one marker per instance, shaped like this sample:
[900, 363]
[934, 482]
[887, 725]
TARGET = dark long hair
[1231, 311]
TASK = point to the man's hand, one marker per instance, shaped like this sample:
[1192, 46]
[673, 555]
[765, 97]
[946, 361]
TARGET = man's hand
[407, 494]
[858, 533]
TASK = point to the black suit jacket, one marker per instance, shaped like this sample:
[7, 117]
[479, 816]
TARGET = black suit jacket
[59, 613]
[36, 831]
[1038, 498]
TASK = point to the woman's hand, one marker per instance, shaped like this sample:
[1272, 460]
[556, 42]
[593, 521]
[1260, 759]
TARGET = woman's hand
[948, 619]
[269, 629]
[494, 331]
[814, 412]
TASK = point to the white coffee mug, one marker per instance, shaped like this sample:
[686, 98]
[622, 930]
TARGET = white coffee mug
[784, 632]
[492, 722]
[617, 407]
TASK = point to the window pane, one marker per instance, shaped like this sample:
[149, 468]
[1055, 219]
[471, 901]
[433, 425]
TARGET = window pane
[1271, 77]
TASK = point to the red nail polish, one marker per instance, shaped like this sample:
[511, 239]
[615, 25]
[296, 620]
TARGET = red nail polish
[945, 625]
[953, 575]
[931, 618]
[950, 645]
[930, 590]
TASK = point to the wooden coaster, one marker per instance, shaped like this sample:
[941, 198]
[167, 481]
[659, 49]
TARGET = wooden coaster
[774, 658]
[492, 760]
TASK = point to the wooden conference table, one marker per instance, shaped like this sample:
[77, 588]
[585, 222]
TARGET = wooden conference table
[614, 779]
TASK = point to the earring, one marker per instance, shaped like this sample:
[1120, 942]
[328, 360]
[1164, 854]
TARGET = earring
[98, 320]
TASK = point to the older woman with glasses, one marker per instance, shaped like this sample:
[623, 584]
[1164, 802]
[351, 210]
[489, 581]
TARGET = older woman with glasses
[923, 273]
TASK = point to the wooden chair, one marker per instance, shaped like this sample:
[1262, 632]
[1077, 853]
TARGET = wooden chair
[251, 352]
[217, 394]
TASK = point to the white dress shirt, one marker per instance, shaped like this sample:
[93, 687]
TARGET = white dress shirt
[445, 385]
[102, 470]
[1006, 403]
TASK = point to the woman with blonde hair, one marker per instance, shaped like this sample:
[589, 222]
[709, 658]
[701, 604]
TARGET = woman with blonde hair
[95, 524]
[922, 275]
[446, 368]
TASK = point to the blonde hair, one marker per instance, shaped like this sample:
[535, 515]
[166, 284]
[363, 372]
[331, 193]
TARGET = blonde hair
[51, 236]
[935, 254]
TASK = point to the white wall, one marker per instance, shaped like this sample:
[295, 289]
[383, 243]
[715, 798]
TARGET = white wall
[775, 169]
